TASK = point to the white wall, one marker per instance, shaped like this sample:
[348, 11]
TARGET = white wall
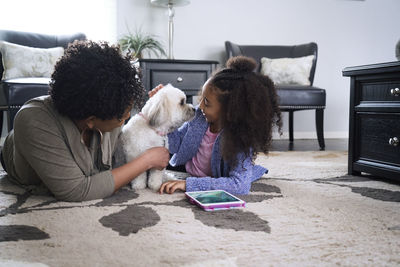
[95, 18]
[348, 33]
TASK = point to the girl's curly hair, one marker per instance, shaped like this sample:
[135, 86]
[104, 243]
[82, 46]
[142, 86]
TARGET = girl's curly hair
[94, 79]
[249, 108]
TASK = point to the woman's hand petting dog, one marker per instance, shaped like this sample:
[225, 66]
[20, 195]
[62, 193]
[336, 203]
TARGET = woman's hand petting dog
[158, 157]
[171, 186]
[155, 90]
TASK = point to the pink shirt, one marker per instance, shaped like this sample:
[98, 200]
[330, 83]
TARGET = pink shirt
[200, 165]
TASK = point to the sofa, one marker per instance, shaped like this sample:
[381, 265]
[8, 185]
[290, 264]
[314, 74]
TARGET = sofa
[15, 91]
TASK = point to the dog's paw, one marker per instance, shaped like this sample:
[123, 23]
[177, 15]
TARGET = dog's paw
[154, 184]
[138, 186]
[155, 179]
[155, 187]
[139, 182]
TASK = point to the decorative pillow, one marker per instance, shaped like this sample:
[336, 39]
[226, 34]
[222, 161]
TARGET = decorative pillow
[22, 61]
[288, 70]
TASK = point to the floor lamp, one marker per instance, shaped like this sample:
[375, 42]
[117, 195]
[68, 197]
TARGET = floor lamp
[170, 4]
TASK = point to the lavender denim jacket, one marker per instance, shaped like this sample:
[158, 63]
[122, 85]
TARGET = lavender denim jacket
[184, 143]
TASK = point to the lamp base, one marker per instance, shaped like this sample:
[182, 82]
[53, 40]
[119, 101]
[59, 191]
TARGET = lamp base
[171, 13]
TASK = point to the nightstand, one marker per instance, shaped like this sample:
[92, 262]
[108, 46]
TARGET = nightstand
[374, 129]
[187, 75]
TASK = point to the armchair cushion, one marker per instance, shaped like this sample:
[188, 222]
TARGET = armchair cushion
[22, 61]
[15, 92]
[288, 70]
[300, 97]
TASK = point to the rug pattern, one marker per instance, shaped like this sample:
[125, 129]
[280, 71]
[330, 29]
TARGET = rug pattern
[305, 211]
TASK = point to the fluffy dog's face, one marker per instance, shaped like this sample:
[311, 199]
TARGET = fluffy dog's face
[168, 109]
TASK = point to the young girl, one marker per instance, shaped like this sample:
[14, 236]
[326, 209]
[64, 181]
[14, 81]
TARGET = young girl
[233, 122]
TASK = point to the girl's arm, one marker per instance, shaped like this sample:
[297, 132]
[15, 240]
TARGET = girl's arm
[184, 141]
[175, 138]
[238, 182]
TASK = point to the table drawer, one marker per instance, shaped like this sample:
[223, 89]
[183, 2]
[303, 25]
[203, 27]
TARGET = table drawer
[380, 91]
[376, 137]
[189, 80]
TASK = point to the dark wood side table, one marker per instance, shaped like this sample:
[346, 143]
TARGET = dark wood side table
[374, 129]
[188, 75]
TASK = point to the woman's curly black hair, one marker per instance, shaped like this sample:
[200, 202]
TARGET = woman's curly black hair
[94, 79]
[249, 108]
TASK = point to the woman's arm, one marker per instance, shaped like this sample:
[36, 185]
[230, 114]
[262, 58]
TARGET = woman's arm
[41, 150]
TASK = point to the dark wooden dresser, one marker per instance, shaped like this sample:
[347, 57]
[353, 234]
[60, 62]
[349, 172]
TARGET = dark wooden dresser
[374, 129]
[188, 75]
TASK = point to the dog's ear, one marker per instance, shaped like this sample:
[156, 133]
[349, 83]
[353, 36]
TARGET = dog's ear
[154, 120]
[159, 112]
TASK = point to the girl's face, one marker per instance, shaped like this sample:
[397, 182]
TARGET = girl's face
[210, 106]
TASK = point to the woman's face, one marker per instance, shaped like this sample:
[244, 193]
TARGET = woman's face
[209, 105]
[109, 125]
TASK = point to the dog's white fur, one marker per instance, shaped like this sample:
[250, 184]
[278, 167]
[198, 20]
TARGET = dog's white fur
[164, 112]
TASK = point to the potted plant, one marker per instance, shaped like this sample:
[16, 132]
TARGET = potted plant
[139, 42]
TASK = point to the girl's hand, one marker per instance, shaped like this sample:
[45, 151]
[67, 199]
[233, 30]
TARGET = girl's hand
[173, 185]
[155, 90]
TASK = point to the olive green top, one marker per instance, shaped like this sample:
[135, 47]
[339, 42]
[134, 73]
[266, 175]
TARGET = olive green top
[45, 147]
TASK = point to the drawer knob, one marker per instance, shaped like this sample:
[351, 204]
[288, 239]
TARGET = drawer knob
[180, 79]
[394, 141]
[395, 91]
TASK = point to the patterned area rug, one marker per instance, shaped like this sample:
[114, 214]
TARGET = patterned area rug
[305, 212]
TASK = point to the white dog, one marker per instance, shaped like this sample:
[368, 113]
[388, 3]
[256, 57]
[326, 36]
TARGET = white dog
[164, 112]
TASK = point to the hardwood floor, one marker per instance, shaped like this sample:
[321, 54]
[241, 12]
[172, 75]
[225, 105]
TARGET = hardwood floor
[309, 145]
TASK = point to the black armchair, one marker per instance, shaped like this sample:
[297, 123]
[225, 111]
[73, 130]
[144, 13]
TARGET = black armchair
[291, 97]
[15, 92]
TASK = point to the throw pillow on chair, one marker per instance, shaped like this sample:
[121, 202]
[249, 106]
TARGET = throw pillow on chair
[22, 61]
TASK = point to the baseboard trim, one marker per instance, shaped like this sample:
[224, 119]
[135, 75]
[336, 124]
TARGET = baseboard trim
[310, 135]
[285, 135]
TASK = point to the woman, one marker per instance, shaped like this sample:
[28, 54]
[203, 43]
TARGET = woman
[66, 140]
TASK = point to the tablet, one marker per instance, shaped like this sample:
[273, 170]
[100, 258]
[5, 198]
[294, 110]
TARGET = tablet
[214, 200]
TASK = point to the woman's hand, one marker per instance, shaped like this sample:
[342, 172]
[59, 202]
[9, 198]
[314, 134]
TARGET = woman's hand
[157, 157]
[173, 185]
[155, 90]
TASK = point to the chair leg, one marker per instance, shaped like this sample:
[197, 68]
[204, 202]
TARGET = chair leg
[1, 122]
[11, 115]
[319, 120]
[9, 121]
[290, 126]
